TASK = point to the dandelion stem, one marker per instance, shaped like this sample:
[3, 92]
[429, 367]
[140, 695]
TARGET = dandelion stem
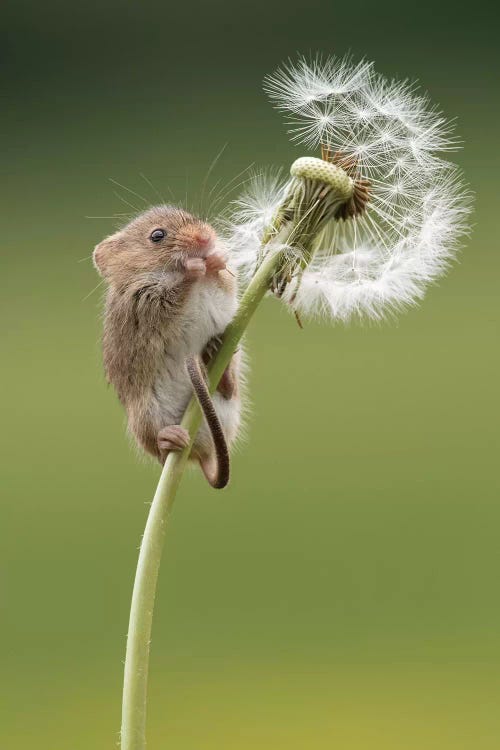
[300, 217]
[133, 731]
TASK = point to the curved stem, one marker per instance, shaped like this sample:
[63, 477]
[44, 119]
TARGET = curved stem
[133, 731]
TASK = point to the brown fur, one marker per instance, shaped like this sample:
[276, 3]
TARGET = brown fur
[156, 310]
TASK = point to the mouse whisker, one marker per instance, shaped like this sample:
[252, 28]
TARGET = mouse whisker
[127, 203]
[132, 192]
[209, 172]
[227, 187]
[224, 195]
[155, 189]
[93, 290]
[113, 216]
[186, 186]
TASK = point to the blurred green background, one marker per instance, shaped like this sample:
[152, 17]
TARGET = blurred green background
[343, 593]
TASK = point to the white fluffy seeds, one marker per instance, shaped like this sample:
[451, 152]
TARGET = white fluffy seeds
[418, 205]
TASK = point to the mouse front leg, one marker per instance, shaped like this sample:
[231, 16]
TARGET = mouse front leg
[215, 262]
[196, 268]
[228, 384]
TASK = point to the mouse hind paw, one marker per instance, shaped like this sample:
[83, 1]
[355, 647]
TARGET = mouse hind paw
[173, 438]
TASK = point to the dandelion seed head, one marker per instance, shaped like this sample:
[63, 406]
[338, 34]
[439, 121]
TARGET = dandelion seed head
[382, 259]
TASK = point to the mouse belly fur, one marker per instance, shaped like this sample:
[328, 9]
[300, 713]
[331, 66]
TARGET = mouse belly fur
[207, 313]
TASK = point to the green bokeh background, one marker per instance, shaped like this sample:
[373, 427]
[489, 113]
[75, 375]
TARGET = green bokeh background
[343, 593]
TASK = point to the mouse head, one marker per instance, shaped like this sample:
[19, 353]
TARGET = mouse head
[158, 240]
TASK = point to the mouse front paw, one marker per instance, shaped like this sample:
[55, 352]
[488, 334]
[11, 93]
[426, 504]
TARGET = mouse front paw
[195, 268]
[215, 262]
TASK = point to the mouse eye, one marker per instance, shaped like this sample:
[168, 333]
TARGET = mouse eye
[157, 235]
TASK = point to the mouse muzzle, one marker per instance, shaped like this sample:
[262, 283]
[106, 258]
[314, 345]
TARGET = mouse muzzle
[197, 239]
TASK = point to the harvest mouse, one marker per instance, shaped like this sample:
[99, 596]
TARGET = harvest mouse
[169, 298]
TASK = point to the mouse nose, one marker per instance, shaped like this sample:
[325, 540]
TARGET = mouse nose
[203, 239]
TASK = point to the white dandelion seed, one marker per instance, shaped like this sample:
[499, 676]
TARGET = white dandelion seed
[383, 255]
[250, 217]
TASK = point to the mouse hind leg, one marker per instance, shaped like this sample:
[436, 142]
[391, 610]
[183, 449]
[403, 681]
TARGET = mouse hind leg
[176, 438]
[228, 384]
[172, 438]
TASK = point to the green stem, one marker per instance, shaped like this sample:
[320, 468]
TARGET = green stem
[305, 209]
[133, 731]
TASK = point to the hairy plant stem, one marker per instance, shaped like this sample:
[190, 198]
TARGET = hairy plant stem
[281, 229]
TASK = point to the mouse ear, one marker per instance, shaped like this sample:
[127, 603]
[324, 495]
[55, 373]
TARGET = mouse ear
[101, 256]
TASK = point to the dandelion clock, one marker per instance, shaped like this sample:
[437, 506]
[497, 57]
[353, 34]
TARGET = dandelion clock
[403, 208]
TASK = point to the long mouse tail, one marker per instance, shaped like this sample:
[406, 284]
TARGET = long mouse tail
[217, 475]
